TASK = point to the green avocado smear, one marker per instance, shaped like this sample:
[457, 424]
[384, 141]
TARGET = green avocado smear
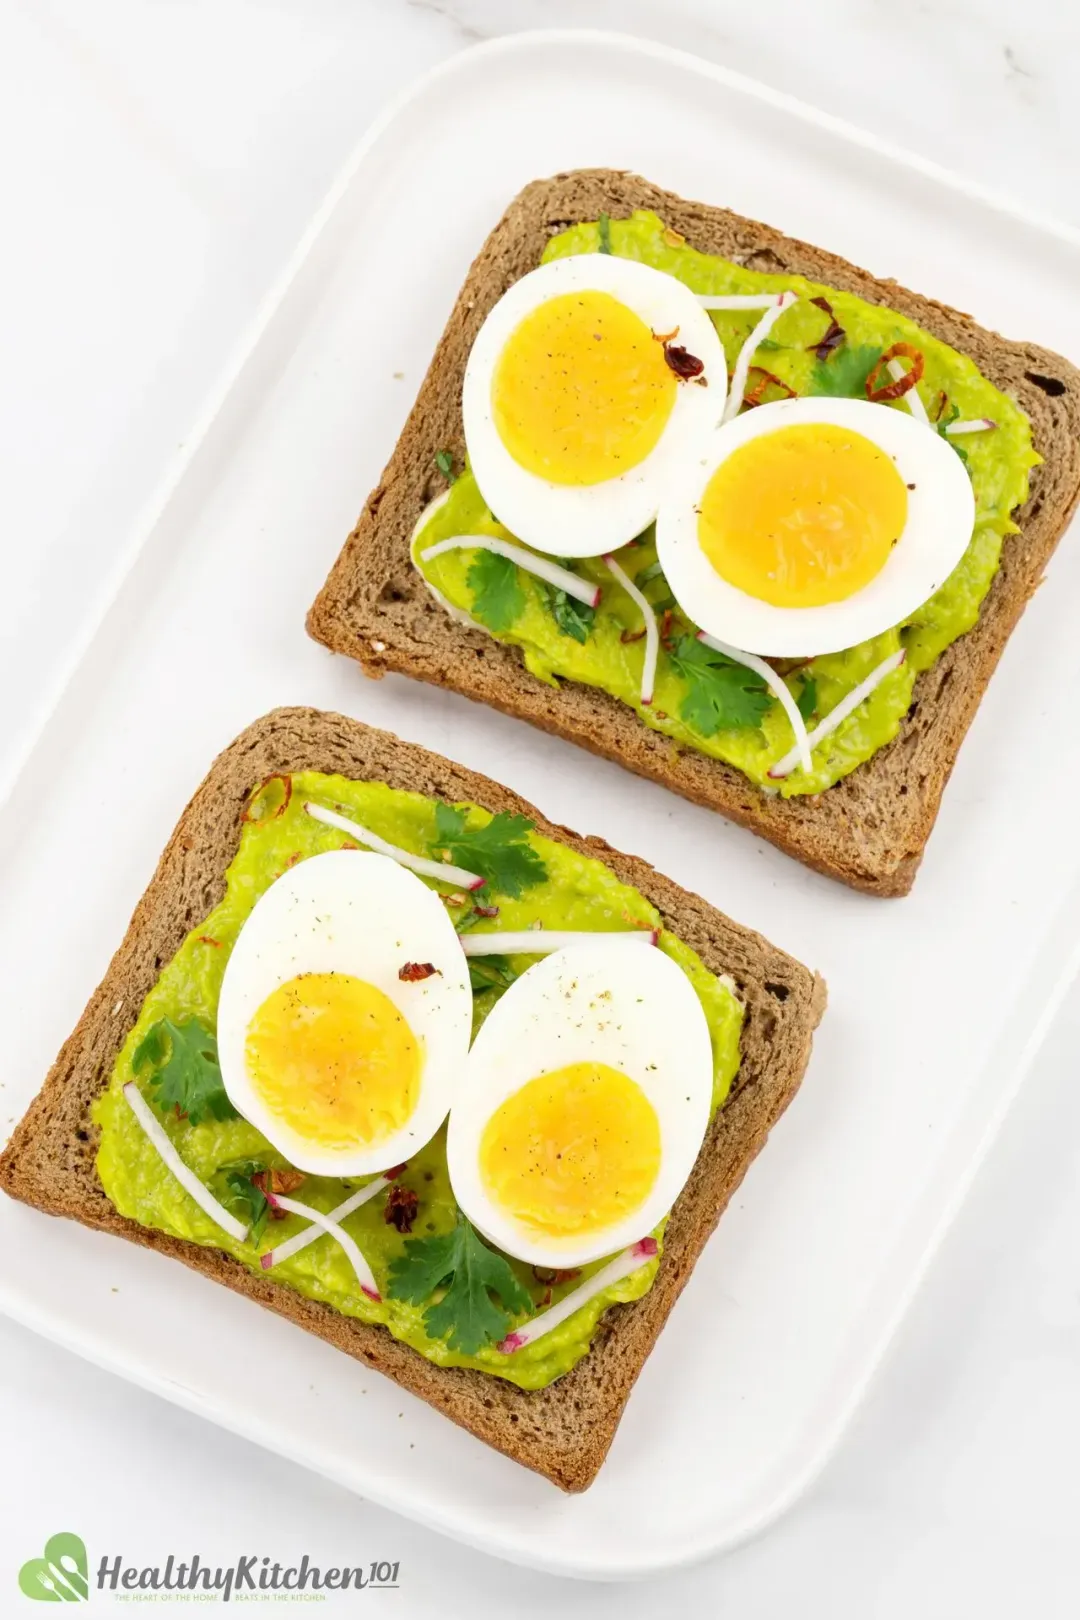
[575, 893]
[560, 641]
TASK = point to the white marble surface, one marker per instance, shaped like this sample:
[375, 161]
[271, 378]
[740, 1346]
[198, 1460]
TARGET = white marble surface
[158, 160]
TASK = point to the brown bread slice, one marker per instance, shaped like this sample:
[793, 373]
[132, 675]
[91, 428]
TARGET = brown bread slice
[870, 830]
[565, 1430]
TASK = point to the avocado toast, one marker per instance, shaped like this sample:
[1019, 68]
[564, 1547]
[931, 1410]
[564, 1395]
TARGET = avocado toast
[867, 827]
[562, 1429]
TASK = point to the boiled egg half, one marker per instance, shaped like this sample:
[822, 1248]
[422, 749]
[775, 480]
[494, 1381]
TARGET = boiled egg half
[809, 525]
[333, 1037]
[576, 415]
[586, 1101]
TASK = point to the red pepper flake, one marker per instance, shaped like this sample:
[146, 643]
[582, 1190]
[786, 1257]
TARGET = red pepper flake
[349, 843]
[400, 1208]
[686, 366]
[902, 385]
[628, 636]
[661, 714]
[755, 395]
[205, 939]
[253, 801]
[414, 972]
[665, 626]
[486, 911]
[392, 1175]
[834, 333]
[942, 401]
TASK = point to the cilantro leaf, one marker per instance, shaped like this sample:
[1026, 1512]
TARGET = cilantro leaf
[844, 374]
[498, 598]
[471, 1273]
[655, 570]
[603, 232]
[186, 1075]
[942, 424]
[445, 463]
[244, 1198]
[573, 618]
[489, 973]
[806, 702]
[721, 695]
[500, 851]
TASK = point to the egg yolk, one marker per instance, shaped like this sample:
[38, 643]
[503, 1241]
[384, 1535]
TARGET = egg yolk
[803, 516]
[333, 1058]
[581, 391]
[572, 1151]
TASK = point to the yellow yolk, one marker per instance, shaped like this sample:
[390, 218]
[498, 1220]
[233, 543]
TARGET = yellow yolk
[581, 391]
[803, 516]
[572, 1151]
[334, 1059]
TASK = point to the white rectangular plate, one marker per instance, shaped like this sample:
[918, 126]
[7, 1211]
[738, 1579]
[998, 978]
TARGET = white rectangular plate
[936, 1001]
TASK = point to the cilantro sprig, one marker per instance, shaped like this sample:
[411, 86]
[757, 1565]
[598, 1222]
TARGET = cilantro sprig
[499, 851]
[806, 702]
[498, 598]
[243, 1197]
[467, 1275]
[843, 375]
[186, 1075]
[572, 617]
[720, 695]
[945, 422]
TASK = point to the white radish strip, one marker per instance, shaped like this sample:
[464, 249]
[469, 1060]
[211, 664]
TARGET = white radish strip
[749, 349]
[979, 424]
[739, 300]
[187, 1178]
[776, 685]
[845, 707]
[293, 1245]
[912, 398]
[542, 941]
[542, 567]
[630, 1260]
[364, 1275]
[416, 863]
[652, 633]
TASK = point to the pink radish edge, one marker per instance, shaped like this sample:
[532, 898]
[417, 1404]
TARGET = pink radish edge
[623, 1265]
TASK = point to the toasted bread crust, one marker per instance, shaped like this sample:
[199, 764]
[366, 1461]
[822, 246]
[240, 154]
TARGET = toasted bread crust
[563, 1431]
[869, 830]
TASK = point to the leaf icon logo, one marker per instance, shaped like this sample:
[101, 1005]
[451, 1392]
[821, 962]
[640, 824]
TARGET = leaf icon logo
[60, 1574]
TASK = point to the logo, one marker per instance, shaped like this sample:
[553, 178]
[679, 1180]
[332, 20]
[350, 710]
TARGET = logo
[60, 1574]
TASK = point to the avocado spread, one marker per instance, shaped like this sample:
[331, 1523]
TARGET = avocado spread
[576, 893]
[602, 648]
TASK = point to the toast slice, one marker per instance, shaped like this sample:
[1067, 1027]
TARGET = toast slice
[563, 1431]
[870, 830]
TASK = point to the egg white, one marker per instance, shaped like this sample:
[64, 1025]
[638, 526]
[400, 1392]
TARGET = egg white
[585, 521]
[940, 519]
[351, 912]
[613, 1002]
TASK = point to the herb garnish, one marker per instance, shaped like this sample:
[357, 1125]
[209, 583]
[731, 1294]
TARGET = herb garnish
[186, 1075]
[573, 618]
[499, 851]
[844, 376]
[498, 598]
[490, 973]
[942, 425]
[445, 463]
[806, 702]
[245, 1197]
[603, 231]
[470, 1273]
[721, 695]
